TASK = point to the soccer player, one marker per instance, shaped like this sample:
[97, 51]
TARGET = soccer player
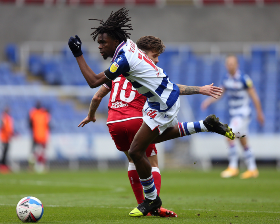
[162, 105]
[39, 122]
[125, 117]
[6, 133]
[239, 88]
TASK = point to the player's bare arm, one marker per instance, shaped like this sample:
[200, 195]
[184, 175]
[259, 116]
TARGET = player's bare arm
[255, 98]
[208, 90]
[188, 90]
[96, 99]
[94, 80]
[208, 101]
[94, 104]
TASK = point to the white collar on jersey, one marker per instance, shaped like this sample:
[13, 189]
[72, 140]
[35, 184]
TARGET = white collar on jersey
[236, 75]
[119, 47]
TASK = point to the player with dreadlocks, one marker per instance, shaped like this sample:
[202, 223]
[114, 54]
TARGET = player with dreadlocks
[161, 108]
[125, 118]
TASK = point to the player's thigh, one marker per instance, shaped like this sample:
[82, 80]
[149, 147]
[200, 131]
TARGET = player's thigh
[153, 160]
[132, 127]
[143, 139]
[119, 135]
[123, 134]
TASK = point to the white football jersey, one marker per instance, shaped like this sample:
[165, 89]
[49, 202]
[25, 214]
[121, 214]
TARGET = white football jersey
[236, 86]
[144, 75]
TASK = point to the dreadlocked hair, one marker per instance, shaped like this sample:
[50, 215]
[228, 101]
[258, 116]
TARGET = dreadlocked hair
[116, 26]
[151, 43]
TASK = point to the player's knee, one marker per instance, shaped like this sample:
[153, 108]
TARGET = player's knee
[134, 154]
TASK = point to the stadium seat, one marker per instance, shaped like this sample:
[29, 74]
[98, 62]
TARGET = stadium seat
[12, 53]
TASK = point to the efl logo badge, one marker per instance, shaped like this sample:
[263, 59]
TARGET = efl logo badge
[249, 83]
[114, 67]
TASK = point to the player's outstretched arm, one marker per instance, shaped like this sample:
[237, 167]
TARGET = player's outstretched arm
[208, 101]
[94, 80]
[208, 90]
[94, 104]
[255, 98]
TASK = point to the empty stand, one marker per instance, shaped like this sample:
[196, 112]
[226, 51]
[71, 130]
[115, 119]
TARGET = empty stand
[182, 66]
[65, 118]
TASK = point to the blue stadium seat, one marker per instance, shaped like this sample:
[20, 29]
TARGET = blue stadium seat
[12, 53]
[35, 64]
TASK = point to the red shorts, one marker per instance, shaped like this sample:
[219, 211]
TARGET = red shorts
[123, 133]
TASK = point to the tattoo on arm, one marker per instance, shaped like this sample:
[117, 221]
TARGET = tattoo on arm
[102, 92]
[188, 90]
[93, 107]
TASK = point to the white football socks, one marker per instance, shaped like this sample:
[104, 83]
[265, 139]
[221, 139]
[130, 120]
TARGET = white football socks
[188, 128]
[233, 157]
[149, 188]
[250, 159]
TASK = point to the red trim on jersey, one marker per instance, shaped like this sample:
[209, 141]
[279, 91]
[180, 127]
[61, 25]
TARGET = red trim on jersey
[107, 87]
[117, 50]
[150, 63]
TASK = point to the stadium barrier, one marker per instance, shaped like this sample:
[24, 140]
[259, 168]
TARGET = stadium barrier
[78, 150]
[206, 148]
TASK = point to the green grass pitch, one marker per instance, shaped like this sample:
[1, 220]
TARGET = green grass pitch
[106, 197]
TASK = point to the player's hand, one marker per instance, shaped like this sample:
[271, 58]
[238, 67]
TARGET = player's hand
[205, 104]
[86, 120]
[210, 90]
[260, 118]
[75, 45]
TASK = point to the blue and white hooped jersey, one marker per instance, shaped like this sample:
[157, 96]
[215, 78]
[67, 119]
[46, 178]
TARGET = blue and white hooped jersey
[236, 86]
[145, 76]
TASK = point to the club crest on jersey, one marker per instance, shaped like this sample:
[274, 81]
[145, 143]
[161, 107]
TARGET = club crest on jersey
[114, 67]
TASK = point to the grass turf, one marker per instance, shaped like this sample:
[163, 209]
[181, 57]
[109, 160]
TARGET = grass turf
[106, 197]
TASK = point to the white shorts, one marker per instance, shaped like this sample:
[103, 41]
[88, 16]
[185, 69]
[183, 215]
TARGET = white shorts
[239, 124]
[161, 120]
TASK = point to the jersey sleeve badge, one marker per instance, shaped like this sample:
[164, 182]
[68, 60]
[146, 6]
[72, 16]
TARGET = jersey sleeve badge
[114, 67]
[248, 81]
